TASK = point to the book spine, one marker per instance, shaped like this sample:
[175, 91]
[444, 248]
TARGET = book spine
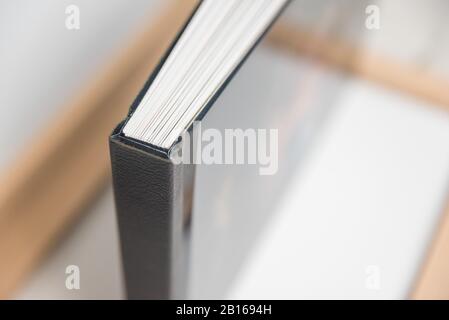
[148, 196]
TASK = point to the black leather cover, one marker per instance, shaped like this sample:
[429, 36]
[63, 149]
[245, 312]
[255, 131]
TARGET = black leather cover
[149, 207]
[144, 195]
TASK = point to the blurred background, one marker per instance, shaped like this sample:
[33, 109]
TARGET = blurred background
[363, 218]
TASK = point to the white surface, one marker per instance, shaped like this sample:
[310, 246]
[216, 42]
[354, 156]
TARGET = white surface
[366, 201]
[369, 194]
[93, 247]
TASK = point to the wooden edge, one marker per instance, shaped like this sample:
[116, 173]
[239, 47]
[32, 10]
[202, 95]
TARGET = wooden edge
[363, 63]
[61, 172]
[433, 280]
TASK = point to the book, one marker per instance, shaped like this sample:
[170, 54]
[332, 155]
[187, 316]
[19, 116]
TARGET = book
[153, 191]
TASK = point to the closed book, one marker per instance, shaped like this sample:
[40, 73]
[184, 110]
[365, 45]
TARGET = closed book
[188, 211]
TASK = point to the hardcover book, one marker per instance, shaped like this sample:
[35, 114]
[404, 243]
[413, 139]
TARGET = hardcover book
[199, 163]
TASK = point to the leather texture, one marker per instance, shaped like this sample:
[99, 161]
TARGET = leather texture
[148, 197]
